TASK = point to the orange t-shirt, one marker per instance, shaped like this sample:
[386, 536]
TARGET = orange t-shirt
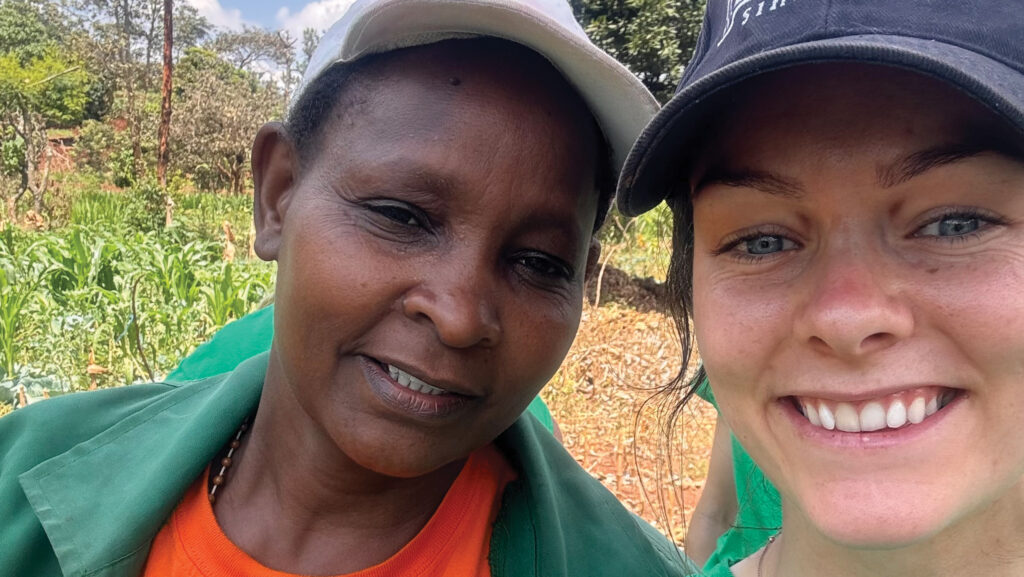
[455, 542]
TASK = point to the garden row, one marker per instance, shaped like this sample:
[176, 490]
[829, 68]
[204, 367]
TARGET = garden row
[115, 296]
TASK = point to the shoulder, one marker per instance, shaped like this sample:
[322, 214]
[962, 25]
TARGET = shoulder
[45, 429]
[39, 433]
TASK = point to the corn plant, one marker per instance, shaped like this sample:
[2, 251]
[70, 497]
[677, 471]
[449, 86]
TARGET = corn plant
[18, 288]
[227, 297]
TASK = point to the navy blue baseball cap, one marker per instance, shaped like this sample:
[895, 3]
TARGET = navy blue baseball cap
[975, 45]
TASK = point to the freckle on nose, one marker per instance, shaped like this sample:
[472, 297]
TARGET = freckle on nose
[933, 270]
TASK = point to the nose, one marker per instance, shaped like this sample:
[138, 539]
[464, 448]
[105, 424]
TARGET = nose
[855, 306]
[459, 302]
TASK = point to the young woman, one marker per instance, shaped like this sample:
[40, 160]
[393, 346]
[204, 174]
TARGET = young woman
[848, 187]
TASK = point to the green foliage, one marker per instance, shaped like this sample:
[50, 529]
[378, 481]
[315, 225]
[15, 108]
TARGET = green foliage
[12, 152]
[21, 30]
[639, 246]
[218, 109]
[227, 297]
[95, 143]
[136, 296]
[52, 86]
[653, 38]
[21, 273]
[122, 165]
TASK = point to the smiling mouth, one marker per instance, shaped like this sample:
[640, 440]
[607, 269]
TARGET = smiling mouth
[412, 383]
[888, 412]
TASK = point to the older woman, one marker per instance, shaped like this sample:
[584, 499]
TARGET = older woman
[431, 203]
[848, 186]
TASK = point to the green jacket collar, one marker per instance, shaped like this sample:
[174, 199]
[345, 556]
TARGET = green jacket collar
[128, 469]
[555, 519]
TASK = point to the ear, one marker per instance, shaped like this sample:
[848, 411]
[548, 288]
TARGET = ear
[593, 258]
[275, 172]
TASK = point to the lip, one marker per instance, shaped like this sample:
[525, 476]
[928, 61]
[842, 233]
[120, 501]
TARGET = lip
[882, 439]
[407, 401]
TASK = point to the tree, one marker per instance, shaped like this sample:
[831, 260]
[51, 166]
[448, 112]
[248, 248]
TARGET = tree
[34, 94]
[310, 40]
[224, 106]
[253, 46]
[39, 87]
[165, 101]
[653, 38]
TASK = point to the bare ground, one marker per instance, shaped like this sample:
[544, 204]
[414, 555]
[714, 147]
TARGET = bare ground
[627, 349]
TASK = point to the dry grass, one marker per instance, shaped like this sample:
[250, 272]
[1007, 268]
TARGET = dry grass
[622, 355]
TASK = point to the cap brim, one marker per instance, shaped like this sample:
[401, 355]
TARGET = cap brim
[619, 102]
[652, 171]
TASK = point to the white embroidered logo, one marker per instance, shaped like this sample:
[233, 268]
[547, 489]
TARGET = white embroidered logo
[745, 9]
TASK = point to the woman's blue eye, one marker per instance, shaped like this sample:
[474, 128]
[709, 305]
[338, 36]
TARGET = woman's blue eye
[955, 225]
[765, 244]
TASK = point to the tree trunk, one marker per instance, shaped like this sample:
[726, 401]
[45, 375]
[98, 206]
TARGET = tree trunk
[39, 189]
[165, 104]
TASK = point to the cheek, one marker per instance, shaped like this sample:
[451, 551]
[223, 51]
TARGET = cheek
[739, 323]
[980, 308]
[539, 339]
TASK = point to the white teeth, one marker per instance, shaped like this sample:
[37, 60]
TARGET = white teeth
[896, 416]
[846, 418]
[828, 420]
[412, 383]
[916, 411]
[872, 417]
[812, 415]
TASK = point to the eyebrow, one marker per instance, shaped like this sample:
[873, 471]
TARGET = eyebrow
[763, 181]
[918, 163]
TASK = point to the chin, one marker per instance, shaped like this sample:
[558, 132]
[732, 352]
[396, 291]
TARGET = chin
[401, 459]
[887, 517]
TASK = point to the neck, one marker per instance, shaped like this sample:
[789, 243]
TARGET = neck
[296, 502]
[989, 542]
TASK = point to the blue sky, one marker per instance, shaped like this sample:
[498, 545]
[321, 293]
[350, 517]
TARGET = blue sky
[292, 15]
[262, 12]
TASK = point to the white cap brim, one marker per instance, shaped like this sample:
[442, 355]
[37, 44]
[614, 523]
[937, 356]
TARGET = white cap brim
[618, 100]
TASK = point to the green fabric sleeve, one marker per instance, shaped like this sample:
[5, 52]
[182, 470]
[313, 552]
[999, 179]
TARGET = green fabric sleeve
[704, 391]
[250, 336]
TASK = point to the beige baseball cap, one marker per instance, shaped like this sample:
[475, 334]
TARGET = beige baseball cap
[618, 100]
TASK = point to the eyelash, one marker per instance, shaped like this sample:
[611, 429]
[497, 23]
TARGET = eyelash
[730, 244]
[388, 209]
[535, 275]
[985, 220]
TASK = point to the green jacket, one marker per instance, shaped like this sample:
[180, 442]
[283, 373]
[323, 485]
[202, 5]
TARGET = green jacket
[87, 480]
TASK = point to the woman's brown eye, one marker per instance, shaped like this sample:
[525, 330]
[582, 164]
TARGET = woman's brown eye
[397, 213]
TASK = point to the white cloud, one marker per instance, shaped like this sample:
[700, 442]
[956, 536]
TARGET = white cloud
[219, 15]
[317, 15]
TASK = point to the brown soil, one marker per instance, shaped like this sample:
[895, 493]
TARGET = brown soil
[625, 351]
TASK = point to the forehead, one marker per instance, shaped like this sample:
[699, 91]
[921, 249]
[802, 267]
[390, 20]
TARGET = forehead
[449, 118]
[834, 112]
